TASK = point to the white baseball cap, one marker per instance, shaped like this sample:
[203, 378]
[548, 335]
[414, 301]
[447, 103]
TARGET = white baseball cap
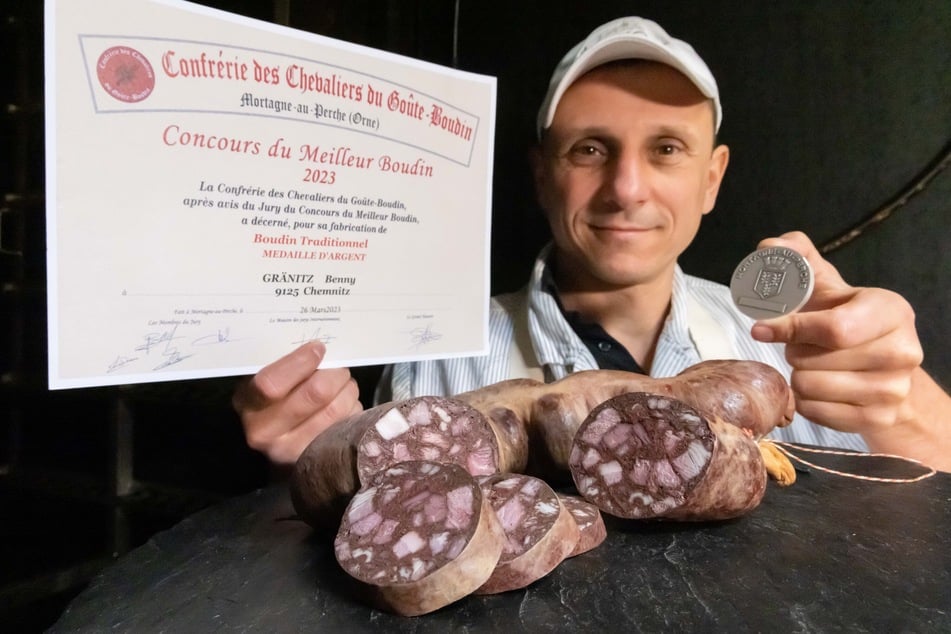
[627, 38]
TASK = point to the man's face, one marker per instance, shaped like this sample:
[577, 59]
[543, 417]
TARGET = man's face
[625, 173]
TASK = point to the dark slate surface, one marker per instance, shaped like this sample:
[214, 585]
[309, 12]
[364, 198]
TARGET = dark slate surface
[827, 554]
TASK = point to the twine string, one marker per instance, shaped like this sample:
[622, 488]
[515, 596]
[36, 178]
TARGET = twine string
[784, 447]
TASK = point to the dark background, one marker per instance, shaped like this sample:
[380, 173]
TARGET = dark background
[832, 110]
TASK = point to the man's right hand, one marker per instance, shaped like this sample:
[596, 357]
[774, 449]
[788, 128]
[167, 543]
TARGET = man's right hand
[287, 403]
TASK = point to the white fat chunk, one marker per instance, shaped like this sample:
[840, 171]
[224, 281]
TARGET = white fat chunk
[408, 544]
[438, 542]
[605, 420]
[430, 468]
[434, 437]
[510, 514]
[362, 504]
[366, 525]
[385, 532]
[587, 484]
[460, 499]
[691, 463]
[691, 418]
[419, 569]
[401, 452]
[611, 472]
[531, 486]
[392, 424]
[420, 414]
[546, 508]
[591, 458]
[461, 425]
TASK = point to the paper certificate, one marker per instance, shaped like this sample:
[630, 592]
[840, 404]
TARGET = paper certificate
[220, 190]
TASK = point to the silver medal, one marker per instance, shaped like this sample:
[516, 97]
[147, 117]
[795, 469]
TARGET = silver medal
[771, 282]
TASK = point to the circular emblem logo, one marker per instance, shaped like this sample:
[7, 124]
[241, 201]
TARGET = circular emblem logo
[125, 74]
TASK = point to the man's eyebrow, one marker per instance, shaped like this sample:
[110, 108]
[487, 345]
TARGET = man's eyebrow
[554, 137]
[585, 130]
[675, 130]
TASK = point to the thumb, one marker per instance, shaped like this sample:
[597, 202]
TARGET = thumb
[801, 327]
[811, 324]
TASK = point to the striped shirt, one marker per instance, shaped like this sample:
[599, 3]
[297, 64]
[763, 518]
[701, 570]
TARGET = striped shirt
[560, 351]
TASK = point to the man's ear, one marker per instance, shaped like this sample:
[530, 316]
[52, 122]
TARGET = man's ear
[715, 171]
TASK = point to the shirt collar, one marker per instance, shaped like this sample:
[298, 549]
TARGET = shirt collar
[547, 311]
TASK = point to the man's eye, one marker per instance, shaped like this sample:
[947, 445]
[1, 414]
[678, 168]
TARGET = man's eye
[586, 153]
[584, 149]
[668, 152]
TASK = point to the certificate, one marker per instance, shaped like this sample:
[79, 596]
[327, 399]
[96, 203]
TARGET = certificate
[221, 190]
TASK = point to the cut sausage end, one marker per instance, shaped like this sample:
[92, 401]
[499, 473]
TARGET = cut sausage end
[429, 428]
[642, 455]
[422, 534]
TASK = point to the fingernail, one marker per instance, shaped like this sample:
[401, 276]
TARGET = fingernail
[762, 333]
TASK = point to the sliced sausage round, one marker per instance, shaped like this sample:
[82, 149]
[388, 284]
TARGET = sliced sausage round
[421, 535]
[539, 531]
[591, 529]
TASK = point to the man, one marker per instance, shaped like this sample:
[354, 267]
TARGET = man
[626, 167]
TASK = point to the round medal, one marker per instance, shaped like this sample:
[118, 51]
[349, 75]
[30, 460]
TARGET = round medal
[771, 282]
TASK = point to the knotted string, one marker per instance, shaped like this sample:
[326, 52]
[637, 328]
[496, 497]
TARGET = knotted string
[782, 446]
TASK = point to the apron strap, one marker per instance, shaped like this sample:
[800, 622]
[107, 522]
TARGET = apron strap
[707, 334]
[522, 360]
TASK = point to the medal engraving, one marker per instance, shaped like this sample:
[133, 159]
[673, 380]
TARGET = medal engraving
[771, 282]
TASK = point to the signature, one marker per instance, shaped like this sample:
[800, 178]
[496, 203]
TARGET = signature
[119, 362]
[221, 336]
[314, 336]
[161, 342]
[154, 339]
[421, 336]
[171, 346]
[172, 356]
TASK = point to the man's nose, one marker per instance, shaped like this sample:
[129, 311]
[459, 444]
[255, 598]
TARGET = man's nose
[627, 179]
